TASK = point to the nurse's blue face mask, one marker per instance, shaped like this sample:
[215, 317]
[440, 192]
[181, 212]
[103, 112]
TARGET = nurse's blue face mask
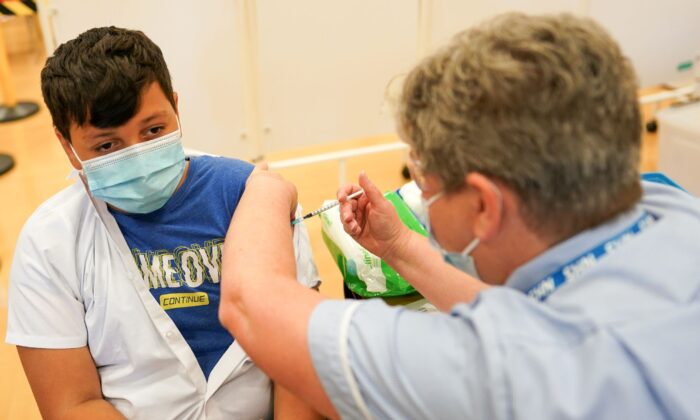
[140, 178]
[461, 260]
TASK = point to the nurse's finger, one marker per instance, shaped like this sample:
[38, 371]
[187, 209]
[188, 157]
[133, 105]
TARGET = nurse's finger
[372, 193]
[347, 211]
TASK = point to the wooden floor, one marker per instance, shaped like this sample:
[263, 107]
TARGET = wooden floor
[41, 170]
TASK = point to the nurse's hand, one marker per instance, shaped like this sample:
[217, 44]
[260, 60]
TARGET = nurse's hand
[276, 189]
[371, 219]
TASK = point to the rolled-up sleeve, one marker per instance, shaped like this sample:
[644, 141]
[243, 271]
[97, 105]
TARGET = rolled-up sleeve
[403, 364]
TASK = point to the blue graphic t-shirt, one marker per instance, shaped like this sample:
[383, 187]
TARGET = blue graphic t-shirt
[178, 250]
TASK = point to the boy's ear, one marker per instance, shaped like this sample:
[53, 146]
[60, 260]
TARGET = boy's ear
[68, 150]
[175, 98]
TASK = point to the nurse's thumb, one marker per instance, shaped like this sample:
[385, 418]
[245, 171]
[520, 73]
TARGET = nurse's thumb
[374, 195]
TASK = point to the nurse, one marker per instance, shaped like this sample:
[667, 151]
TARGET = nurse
[569, 288]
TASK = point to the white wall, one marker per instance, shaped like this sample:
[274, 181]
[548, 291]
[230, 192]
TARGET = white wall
[452, 16]
[324, 64]
[656, 35]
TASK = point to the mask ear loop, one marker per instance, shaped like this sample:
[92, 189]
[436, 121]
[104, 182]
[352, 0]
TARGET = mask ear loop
[74, 153]
[78, 172]
[179, 127]
[472, 245]
[433, 199]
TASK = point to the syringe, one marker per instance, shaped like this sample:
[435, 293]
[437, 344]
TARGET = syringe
[326, 207]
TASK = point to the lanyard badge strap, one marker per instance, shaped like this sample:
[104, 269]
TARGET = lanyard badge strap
[574, 268]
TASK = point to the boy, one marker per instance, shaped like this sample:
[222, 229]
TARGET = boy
[114, 290]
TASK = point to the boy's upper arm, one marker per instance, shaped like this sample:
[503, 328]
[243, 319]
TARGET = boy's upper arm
[238, 171]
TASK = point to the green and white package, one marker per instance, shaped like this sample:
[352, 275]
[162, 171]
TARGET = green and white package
[364, 273]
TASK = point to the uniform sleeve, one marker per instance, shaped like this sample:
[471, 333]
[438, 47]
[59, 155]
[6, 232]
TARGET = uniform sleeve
[45, 309]
[376, 361]
[307, 274]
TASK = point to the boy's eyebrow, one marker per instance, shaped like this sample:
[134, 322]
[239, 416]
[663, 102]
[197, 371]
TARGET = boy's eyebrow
[108, 133]
[154, 116]
[111, 133]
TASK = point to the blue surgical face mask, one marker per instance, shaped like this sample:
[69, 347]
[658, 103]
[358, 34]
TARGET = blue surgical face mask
[140, 178]
[460, 260]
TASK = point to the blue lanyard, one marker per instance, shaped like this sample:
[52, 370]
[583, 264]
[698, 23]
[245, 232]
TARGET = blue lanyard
[574, 268]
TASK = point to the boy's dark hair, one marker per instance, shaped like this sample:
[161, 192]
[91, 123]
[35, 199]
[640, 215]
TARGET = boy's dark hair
[99, 76]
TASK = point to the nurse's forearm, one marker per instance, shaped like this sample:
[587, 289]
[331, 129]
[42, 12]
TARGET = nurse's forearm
[424, 268]
[262, 304]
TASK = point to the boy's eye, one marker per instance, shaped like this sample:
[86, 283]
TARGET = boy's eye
[154, 131]
[104, 147]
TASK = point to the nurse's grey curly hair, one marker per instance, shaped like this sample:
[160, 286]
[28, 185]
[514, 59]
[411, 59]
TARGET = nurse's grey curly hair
[545, 104]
